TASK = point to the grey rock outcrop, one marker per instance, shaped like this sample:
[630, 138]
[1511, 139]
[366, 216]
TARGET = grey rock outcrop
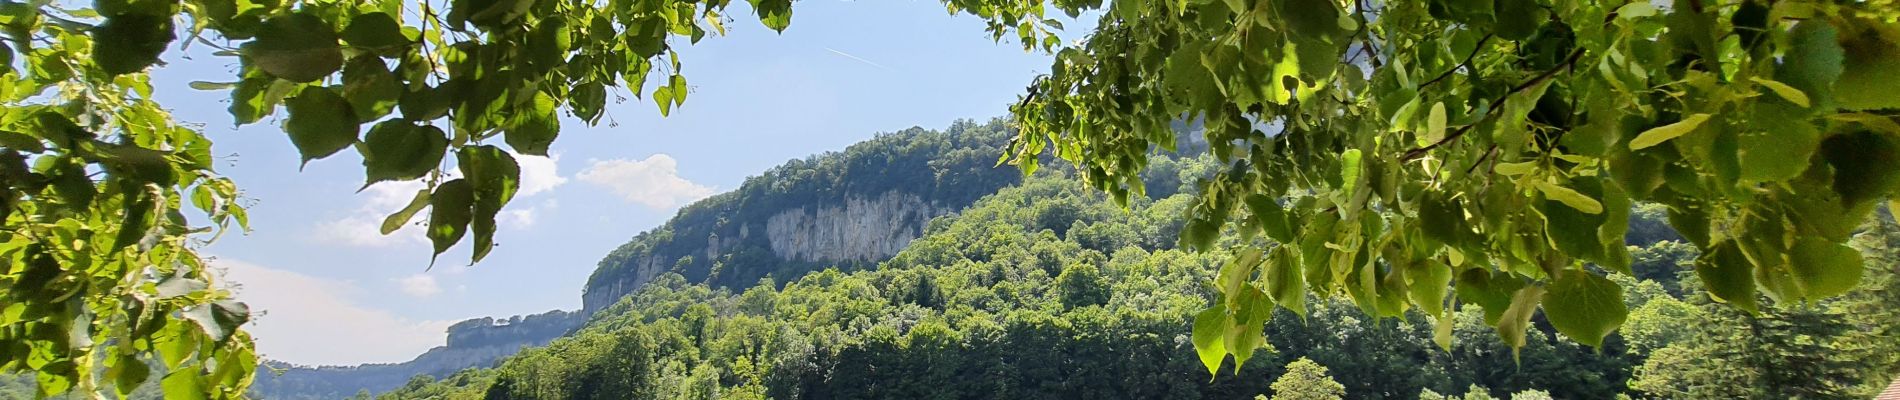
[859, 230]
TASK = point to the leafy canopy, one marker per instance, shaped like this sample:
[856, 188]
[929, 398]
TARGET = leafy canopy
[1390, 149]
[106, 198]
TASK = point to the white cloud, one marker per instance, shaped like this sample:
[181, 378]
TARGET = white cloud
[539, 174]
[517, 219]
[311, 320]
[362, 226]
[653, 182]
[366, 231]
[419, 285]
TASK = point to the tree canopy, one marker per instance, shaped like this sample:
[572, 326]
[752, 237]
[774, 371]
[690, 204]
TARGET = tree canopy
[1438, 153]
[1398, 148]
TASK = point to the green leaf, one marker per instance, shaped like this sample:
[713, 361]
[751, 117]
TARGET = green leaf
[201, 315]
[1520, 19]
[425, 103]
[179, 286]
[137, 219]
[776, 14]
[1570, 197]
[1571, 227]
[202, 85]
[1246, 335]
[138, 163]
[1867, 75]
[1657, 135]
[1434, 125]
[1517, 319]
[74, 188]
[1812, 63]
[493, 14]
[402, 217]
[183, 384]
[663, 96]
[549, 42]
[132, 373]
[1782, 89]
[1268, 214]
[297, 47]
[400, 150]
[1866, 168]
[1824, 269]
[1635, 10]
[54, 379]
[1783, 149]
[1208, 328]
[1431, 282]
[1441, 330]
[1234, 276]
[219, 320]
[1443, 219]
[1489, 290]
[177, 342]
[450, 209]
[493, 177]
[1584, 306]
[127, 43]
[371, 89]
[1729, 276]
[1285, 283]
[587, 101]
[679, 89]
[320, 124]
[377, 31]
[1349, 172]
[250, 99]
[532, 129]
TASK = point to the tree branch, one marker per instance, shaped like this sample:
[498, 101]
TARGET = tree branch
[1466, 63]
[1495, 106]
[1365, 30]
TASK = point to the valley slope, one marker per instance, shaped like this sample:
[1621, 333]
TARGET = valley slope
[849, 209]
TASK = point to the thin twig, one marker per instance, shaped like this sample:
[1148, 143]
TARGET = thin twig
[1481, 159]
[1495, 106]
[1466, 63]
[1365, 29]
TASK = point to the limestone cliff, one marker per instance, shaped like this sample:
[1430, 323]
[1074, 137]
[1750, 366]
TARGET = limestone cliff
[859, 230]
[856, 230]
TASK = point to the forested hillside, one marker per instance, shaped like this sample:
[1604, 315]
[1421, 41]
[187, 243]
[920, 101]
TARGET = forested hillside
[1049, 290]
[847, 209]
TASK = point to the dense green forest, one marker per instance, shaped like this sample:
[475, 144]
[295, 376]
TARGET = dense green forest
[1050, 290]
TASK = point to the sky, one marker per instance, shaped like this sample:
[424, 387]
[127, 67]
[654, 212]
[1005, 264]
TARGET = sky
[333, 291]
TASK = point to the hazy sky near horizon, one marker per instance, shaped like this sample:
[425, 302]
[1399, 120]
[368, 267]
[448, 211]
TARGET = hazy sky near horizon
[333, 291]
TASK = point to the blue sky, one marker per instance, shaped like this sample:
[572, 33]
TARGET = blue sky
[333, 291]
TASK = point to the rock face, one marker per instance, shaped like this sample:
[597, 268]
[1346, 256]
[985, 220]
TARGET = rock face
[859, 230]
[597, 296]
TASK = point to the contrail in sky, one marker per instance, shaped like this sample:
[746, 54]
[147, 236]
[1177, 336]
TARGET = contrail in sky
[848, 55]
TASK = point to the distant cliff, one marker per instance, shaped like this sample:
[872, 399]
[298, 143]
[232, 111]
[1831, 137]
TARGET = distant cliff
[849, 209]
[472, 343]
